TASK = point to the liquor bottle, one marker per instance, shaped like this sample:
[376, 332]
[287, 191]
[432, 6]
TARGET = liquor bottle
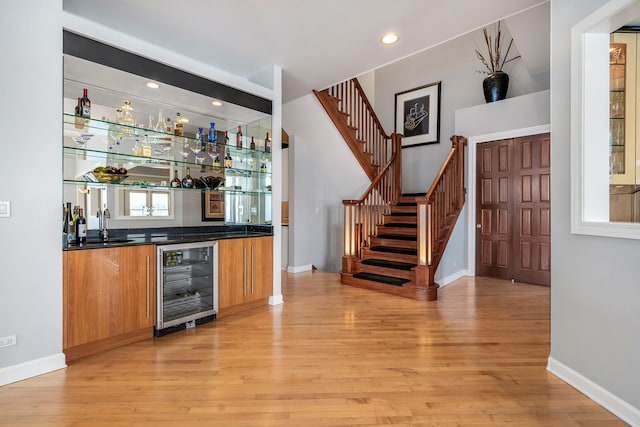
[79, 122]
[200, 137]
[187, 181]
[253, 144]
[216, 161]
[267, 143]
[69, 226]
[211, 136]
[177, 126]
[146, 147]
[239, 138]
[228, 161]
[86, 104]
[168, 128]
[226, 137]
[175, 182]
[81, 228]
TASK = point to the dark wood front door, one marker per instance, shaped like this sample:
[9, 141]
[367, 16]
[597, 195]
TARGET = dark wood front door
[513, 209]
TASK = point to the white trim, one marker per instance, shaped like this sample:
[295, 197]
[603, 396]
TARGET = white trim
[452, 278]
[276, 300]
[598, 394]
[299, 269]
[32, 368]
[589, 184]
[472, 142]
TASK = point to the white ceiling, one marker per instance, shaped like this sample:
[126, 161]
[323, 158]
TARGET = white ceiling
[316, 42]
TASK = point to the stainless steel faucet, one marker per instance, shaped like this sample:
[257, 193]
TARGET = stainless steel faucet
[102, 223]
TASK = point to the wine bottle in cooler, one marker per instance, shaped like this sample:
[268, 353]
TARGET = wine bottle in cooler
[81, 228]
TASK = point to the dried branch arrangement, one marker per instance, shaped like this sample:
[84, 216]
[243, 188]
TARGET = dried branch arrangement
[494, 61]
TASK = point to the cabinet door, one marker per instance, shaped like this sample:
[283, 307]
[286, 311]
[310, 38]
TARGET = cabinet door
[232, 262]
[136, 299]
[108, 292]
[261, 267]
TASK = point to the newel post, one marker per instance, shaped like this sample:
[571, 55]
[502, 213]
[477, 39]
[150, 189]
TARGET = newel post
[424, 276]
[350, 237]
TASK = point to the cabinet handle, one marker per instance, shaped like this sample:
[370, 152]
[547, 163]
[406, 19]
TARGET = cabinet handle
[244, 270]
[148, 286]
[252, 269]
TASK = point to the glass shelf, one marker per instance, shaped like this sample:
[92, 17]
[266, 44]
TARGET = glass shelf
[120, 158]
[165, 187]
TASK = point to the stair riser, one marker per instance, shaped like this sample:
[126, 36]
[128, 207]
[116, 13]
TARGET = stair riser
[404, 274]
[419, 294]
[376, 241]
[396, 230]
[367, 253]
[403, 209]
[402, 219]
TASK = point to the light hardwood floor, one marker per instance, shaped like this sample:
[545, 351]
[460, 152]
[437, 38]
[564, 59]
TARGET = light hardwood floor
[330, 356]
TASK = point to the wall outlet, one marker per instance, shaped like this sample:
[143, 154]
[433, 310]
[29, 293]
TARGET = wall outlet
[7, 341]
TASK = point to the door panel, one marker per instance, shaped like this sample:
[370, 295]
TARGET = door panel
[531, 242]
[493, 235]
[514, 209]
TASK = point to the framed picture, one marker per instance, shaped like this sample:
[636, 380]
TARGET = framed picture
[418, 115]
[212, 205]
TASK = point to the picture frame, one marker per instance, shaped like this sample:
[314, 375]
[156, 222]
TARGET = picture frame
[417, 115]
[212, 205]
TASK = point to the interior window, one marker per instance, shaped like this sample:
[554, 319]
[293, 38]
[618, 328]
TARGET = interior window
[146, 203]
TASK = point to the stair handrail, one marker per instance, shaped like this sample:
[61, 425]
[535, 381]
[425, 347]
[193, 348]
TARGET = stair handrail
[439, 209]
[349, 108]
[362, 215]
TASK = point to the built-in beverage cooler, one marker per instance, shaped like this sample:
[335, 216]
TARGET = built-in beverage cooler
[187, 285]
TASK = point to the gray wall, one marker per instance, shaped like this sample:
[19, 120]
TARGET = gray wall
[455, 64]
[30, 240]
[595, 291]
[322, 173]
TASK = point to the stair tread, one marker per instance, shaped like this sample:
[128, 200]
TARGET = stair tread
[397, 237]
[401, 225]
[394, 281]
[397, 265]
[403, 214]
[403, 251]
[406, 204]
[413, 194]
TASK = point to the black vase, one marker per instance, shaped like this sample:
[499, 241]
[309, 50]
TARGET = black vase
[495, 86]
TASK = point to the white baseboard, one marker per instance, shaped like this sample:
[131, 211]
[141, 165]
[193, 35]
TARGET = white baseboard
[605, 398]
[276, 300]
[300, 268]
[32, 368]
[451, 278]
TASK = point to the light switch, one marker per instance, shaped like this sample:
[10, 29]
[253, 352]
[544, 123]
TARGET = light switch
[5, 209]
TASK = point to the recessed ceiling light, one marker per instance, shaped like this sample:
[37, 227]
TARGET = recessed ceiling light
[389, 38]
[153, 85]
[216, 103]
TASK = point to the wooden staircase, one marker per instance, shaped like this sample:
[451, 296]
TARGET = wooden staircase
[393, 242]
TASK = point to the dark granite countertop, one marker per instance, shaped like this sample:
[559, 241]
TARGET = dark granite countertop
[173, 235]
